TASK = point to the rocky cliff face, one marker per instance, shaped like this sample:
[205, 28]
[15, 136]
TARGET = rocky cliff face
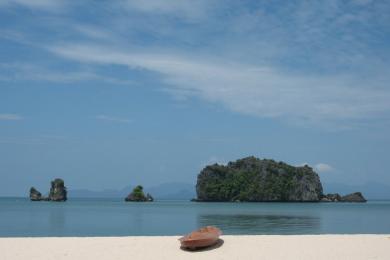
[353, 197]
[35, 195]
[331, 197]
[57, 192]
[252, 179]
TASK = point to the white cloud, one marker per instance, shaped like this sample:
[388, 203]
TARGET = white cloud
[319, 167]
[252, 90]
[113, 119]
[93, 32]
[323, 167]
[10, 117]
[36, 72]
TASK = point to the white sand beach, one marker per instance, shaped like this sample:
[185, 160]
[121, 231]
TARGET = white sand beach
[167, 247]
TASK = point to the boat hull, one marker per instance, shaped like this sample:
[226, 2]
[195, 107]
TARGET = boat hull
[204, 237]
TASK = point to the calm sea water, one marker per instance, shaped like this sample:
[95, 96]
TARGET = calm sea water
[110, 217]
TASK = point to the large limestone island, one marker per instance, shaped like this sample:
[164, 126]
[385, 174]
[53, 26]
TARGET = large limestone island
[138, 195]
[253, 180]
[57, 192]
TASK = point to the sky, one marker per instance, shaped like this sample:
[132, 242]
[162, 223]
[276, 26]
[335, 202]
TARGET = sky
[106, 94]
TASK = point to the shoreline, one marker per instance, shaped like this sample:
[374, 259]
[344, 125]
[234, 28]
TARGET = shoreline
[356, 246]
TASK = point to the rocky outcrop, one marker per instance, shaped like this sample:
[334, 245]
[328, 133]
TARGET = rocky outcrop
[255, 180]
[149, 197]
[35, 195]
[353, 197]
[57, 192]
[331, 197]
[138, 195]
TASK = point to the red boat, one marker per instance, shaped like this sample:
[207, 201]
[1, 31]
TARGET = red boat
[203, 237]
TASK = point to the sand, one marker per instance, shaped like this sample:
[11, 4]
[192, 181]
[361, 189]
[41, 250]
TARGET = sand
[233, 247]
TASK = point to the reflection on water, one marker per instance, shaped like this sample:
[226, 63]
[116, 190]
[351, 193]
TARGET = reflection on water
[261, 224]
[107, 217]
[56, 219]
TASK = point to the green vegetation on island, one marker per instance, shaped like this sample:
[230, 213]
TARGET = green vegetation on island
[255, 180]
[138, 195]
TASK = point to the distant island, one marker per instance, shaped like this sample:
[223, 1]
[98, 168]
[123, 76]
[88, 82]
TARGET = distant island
[57, 192]
[246, 180]
[254, 180]
[138, 195]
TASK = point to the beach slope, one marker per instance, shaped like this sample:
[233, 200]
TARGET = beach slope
[167, 247]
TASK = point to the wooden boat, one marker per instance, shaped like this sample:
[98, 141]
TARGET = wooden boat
[203, 237]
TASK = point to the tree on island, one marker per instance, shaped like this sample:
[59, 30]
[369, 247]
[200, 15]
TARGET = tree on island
[138, 192]
[138, 195]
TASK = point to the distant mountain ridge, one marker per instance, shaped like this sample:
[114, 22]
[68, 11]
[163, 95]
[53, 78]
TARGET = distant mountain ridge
[107, 193]
[171, 190]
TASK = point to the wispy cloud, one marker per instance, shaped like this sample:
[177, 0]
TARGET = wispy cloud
[93, 32]
[320, 63]
[10, 117]
[113, 119]
[35, 4]
[253, 90]
[36, 72]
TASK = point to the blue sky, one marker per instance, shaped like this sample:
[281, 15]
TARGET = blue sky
[110, 93]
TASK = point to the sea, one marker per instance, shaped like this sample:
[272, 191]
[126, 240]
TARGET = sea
[20, 217]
